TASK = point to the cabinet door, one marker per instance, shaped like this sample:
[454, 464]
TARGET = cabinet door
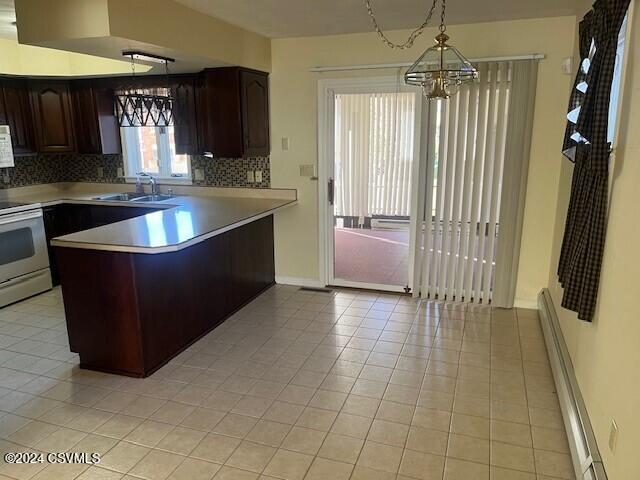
[252, 262]
[15, 112]
[254, 95]
[87, 130]
[219, 113]
[96, 128]
[52, 228]
[184, 115]
[51, 106]
[106, 214]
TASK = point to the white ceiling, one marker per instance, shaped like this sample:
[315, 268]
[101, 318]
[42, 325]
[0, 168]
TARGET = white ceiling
[295, 18]
[7, 16]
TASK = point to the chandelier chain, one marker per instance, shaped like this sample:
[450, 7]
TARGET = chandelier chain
[442, 15]
[133, 67]
[408, 43]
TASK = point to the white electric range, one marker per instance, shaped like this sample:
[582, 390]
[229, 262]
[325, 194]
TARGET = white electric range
[24, 262]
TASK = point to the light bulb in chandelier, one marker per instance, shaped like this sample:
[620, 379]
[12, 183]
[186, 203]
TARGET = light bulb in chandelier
[440, 70]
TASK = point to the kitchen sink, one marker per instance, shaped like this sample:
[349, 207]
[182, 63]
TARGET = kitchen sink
[134, 197]
[120, 197]
[153, 198]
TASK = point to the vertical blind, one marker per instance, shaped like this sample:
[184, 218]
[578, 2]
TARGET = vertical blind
[461, 201]
[374, 151]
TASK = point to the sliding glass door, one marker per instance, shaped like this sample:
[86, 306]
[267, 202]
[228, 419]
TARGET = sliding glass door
[473, 185]
[373, 150]
[426, 197]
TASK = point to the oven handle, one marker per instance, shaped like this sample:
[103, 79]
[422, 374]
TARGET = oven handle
[19, 217]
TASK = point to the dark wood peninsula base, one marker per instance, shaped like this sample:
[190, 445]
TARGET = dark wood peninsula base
[130, 313]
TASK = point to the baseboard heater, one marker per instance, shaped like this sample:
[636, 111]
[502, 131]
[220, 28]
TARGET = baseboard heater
[390, 223]
[587, 462]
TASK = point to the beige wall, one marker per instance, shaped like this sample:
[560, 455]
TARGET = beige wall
[17, 59]
[606, 353]
[294, 115]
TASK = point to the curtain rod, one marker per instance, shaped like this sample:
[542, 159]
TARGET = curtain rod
[533, 56]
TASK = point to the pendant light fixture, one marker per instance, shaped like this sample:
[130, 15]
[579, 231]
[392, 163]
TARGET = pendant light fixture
[140, 107]
[441, 69]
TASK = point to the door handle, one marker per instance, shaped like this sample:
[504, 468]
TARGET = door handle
[330, 185]
[20, 217]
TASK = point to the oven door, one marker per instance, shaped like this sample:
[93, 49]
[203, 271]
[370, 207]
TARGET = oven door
[23, 246]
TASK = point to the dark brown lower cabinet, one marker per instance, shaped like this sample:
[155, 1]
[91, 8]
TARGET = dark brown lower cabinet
[67, 218]
[130, 313]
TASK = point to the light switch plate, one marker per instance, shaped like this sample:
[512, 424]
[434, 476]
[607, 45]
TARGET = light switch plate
[258, 176]
[198, 174]
[100, 172]
[120, 172]
[308, 170]
[285, 143]
[251, 178]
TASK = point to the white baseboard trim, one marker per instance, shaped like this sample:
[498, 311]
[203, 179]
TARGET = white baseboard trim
[299, 281]
[525, 303]
[587, 462]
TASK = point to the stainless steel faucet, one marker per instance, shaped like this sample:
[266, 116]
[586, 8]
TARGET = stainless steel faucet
[155, 188]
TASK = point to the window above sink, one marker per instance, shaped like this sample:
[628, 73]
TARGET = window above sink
[152, 150]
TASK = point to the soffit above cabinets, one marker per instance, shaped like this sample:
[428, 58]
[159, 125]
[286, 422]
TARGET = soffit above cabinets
[301, 18]
[106, 28]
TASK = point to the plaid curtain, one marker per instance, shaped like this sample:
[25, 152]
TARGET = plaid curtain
[587, 146]
[571, 135]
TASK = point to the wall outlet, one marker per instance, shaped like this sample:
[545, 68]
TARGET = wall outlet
[258, 176]
[613, 436]
[285, 143]
[100, 172]
[120, 172]
[198, 174]
[251, 178]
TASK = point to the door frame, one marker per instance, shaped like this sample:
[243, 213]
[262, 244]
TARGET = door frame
[327, 89]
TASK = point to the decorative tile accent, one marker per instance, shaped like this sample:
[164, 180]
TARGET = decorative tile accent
[39, 169]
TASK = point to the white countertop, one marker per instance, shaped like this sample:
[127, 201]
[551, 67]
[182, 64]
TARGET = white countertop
[184, 221]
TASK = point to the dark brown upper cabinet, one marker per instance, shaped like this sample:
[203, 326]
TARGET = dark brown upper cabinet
[184, 114]
[254, 99]
[52, 116]
[95, 125]
[15, 111]
[232, 106]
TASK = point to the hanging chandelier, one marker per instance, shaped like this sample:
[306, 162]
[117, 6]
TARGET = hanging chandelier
[441, 69]
[145, 107]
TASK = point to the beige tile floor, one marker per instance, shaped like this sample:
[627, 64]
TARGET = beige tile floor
[296, 385]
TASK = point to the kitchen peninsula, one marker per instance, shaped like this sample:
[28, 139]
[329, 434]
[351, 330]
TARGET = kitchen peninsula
[139, 291]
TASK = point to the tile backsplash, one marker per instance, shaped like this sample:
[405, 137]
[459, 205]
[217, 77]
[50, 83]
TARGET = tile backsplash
[33, 170]
[231, 172]
[39, 169]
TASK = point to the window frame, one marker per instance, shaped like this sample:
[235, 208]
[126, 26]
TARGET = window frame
[617, 82]
[130, 148]
[622, 87]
